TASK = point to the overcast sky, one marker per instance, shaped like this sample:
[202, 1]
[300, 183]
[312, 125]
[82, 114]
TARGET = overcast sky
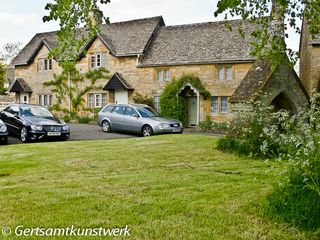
[20, 20]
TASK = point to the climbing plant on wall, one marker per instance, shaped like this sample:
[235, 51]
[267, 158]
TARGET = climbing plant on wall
[172, 104]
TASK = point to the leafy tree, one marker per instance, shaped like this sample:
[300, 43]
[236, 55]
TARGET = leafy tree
[78, 24]
[9, 51]
[2, 79]
[274, 18]
[78, 90]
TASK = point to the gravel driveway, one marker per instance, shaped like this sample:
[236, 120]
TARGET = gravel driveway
[86, 132]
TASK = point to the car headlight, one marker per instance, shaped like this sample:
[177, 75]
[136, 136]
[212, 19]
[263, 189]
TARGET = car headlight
[65, 127]
[164, 125]
[36, 128]
[3, 128]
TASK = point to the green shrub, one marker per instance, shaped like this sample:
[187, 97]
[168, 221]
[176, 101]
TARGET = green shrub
[293, 138]
[208, 124]
[171, 104]
[84, 119]
[66, 118]
[144, 99]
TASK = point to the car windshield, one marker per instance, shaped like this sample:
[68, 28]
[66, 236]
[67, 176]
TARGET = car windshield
[147, 112]
[34, 111]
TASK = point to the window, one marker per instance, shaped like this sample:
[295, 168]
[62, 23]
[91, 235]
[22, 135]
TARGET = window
[97, 100]
[93, 61]
[157, 103]
[219, 104]
[162, 74]
[229, 73]
[44, 64]
[118, 110]
[159, 75]
[220, 73]
[167, 75]
[98, 60]
[214, 105]
[225, 72]
[223, 104]
[45, 100]
[130, 112]
[91, 101]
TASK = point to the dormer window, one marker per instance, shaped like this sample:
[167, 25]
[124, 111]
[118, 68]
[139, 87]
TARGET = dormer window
[44, 64]
[97, 60]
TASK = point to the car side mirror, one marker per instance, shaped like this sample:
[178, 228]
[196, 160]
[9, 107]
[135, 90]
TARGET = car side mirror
[135, 115]
[15, 114]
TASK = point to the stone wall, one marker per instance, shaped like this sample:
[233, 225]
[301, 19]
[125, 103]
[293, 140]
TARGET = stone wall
[309, 62]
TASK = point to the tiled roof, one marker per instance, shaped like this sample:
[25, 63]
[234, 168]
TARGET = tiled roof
[123, 39]
[253, 82]
[117, 81]
[20, 85]
[200, 43]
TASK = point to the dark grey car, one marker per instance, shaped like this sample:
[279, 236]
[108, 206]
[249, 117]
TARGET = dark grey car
[3, 133]
[136, 118]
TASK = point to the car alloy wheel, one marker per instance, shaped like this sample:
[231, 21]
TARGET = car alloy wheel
[24, 135]
[105, 126]
[147, 131]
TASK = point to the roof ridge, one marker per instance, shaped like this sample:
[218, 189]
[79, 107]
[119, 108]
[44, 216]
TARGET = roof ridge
[134, 20]
[206, 23]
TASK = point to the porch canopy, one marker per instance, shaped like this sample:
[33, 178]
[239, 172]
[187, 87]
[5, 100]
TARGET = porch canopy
[19, 86]
[117, 82]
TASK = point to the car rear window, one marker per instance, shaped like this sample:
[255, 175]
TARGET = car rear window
[108, 108]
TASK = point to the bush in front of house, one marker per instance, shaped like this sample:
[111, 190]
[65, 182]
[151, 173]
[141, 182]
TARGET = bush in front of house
[293, 139]
[172, 104]
[143, 99]
[209, 125]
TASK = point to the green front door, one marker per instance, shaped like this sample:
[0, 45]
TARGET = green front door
[192, 107]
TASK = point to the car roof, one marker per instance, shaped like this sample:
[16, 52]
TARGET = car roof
[128, 104]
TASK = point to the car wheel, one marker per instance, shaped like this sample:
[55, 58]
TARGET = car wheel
[147, 131]
[5, 141]
[106, 126]
[24, 135]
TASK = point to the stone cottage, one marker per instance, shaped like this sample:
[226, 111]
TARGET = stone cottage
[309, 60]
[144, 55]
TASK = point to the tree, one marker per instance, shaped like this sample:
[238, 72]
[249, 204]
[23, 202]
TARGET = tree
[78, 20]
[274, 18]
[10, 51]
[2, 79]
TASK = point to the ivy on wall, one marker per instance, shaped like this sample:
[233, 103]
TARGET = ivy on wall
[172, 104]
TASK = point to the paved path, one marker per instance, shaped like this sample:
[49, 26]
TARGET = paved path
[94, 132]
[86, 132]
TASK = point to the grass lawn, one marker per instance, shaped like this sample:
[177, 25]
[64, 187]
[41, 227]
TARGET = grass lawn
[163, 187]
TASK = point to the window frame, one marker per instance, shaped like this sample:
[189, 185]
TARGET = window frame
[45, 100]
[220, 108]
[92, 100]
[223, 68]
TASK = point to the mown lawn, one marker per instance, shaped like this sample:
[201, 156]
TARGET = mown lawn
[163, 187]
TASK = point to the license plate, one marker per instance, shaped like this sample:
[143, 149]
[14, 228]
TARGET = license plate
[54, 133]
[176, 130]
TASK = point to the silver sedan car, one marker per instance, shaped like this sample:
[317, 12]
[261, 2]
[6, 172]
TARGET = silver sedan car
[136, 118]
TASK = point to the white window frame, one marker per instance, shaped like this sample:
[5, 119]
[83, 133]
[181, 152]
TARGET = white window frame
[97, 100]
[44, 64]
[95, 60]
[45, 99]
